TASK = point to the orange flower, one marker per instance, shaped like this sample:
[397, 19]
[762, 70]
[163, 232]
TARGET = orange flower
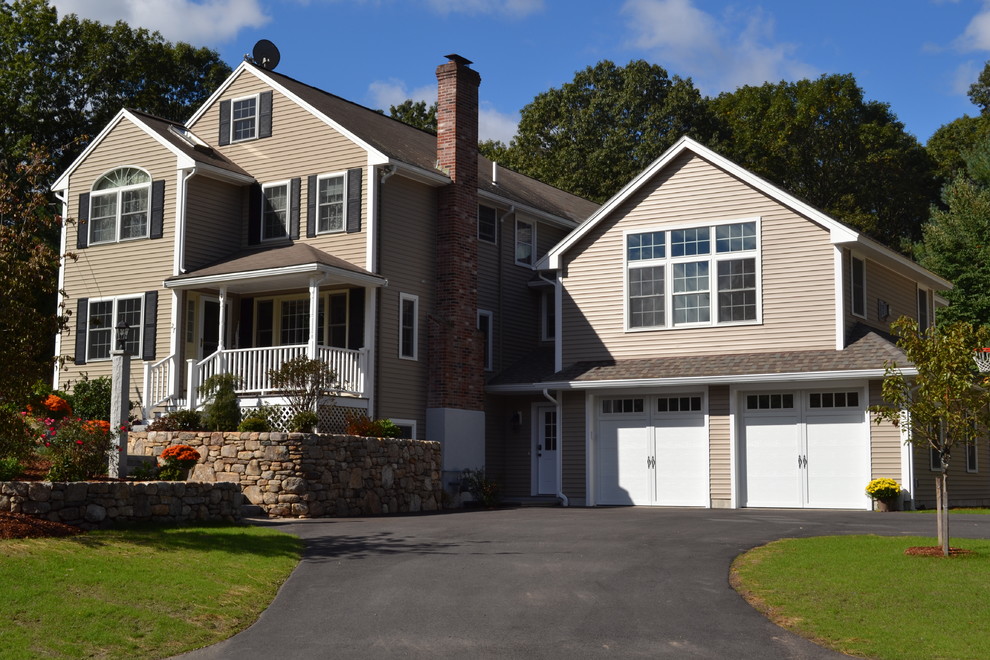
[97, 426]
[181, 453]
[56, 405]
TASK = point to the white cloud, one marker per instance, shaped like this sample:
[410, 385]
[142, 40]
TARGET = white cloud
[512, 8]
[385, 93]
[495, 125]
[964, 76]
[977, 33]
[199, 22]
[719, 53]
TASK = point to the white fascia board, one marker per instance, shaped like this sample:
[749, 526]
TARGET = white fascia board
[565, 223]
[899, 263]
[431, 178]
[797, 377]
[348, 275]
[214, 172]
[217, 93]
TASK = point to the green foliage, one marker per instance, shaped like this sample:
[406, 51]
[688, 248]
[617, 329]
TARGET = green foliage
[9, 468]
[360, 425]
[17, 439]
[416, 113]
[222, 412]
[90, 399]
[388, 429]
[304, 382]
[67, 77]
[78, 450]
[303, 422]
[823, 142]
[484, 490]
[144, 471]
[29, 265]
[593, 134]
[951, 141]
[254, 423]
[179, 420]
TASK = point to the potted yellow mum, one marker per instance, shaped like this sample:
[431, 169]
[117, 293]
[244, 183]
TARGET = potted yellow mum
[884, 492]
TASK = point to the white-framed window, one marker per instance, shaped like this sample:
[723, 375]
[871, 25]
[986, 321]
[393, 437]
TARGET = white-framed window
[696, 276]
[858, 286]
[408, 326]
[190, 320]
[331, 209]
[487, 331]
[770, 401]
[621, 406]
[103, 315]
[525, 243]
[924, 310]
[244, 118]
[548, 316]
[678, 403]
[275, 211]
[487, 224]
[833, 399]
[286, 319]
[407, 426]
[120, 206]
[971, 457]
[294, 321]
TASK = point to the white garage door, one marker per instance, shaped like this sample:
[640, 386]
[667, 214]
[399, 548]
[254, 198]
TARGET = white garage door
[805, 449]
[652, 451]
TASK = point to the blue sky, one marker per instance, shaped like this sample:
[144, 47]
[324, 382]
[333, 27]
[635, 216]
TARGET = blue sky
[920, 56]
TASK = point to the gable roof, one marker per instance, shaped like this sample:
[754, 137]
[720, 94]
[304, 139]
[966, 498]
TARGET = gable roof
[840, 233]
[391, 142]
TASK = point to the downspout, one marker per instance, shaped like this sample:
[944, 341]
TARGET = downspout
[501, 284]
[63, 242]
[179, 267]
[560, 449]
[372, 299]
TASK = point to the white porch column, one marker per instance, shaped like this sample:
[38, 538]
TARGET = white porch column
[370, 321]
[221, 343]
[314, 313]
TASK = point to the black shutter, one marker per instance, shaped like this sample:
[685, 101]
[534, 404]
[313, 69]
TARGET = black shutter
[354, 200]
[294, 186]
[245, 337]
[224, 123]
[265, 115]
[150, 325]
[82, 222]
[254, 214]
[157, 209]
[82, 322]
[355, 323]
[311, 193]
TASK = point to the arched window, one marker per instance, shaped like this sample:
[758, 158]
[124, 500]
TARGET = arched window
[120, 206]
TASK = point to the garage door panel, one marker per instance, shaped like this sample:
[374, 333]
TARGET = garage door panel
[682, 460]
[838, 461]
[623, 449]
[772, 476]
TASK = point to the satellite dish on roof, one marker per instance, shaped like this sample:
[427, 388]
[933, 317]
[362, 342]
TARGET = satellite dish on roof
[266, 55]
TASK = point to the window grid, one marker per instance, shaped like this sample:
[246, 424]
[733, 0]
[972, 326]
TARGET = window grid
[276, 204]
[408, 326]
[487, 224]
[244, 119]
[679, 404]
[769, 401]
[525, 243]
[642, 247]
[646, 297]
[690, 242]
[103, 317]
[692, 303]
[618, 406]
[119, 206]
[834, 399]
[549, 430]
[330, 204]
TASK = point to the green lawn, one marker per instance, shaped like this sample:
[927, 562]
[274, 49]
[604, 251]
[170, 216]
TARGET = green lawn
[863, 596]
[979, 510]
[147, 592]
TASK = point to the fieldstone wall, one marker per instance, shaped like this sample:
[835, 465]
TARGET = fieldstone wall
[306, 475]
[97, 504]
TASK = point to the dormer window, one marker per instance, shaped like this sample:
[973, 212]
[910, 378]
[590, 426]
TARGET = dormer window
[120, 206]
[244, 119]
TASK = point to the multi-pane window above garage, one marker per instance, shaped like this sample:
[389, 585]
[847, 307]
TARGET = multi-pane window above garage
[696, 276]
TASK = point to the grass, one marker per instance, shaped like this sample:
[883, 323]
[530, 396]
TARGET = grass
[863, 596]
[981, 510]
[144, 592]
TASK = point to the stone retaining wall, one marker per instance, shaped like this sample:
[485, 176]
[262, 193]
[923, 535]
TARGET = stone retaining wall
[95, 504]
[309, 475]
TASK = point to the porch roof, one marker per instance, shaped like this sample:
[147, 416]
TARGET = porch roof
[865, 356]
[275, 268]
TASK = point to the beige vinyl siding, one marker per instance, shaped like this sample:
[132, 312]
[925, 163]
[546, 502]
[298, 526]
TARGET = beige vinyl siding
[797, 271]
[214, 213]
[300, 145]
[408, 235]
[965, 488]
[720, 440]
[885, 441]
[572, 443]
[899, 292]
[128, 268]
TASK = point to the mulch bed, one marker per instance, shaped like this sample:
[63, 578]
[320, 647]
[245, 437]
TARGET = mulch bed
[935, 551]
[20, 526]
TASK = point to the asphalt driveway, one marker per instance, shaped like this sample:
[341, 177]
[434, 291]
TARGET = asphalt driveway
[540, 583]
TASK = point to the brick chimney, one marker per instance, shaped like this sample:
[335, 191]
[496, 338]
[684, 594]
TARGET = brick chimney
[456, 358]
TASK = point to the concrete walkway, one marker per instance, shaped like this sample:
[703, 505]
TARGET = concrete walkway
[540, 583]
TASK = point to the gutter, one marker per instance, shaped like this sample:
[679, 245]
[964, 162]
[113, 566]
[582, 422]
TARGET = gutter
[560, 451]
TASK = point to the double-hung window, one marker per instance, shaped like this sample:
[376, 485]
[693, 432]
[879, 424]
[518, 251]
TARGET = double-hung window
[525, 243]
[485, 326]
[330, 204]
[924, 310]
[694, 276]
[104, 315]
[858, 268]
[487, 224]
[119, 206]
[275, 210]
[244, 119]
[408, 326]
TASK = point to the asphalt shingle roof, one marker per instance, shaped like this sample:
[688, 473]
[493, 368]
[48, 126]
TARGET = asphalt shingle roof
[206, 155]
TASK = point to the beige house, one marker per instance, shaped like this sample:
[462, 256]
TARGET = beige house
[718, 345]
[280, 221]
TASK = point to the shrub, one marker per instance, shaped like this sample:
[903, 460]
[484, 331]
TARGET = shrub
[178, 459]
[144, 471]
[303, 422]
[17, 439]
[9, 468]
[178, 420]
[51, 405]
[482, 489]
[90, 399]
[360, 425]
[78, 449]
[222, 413]
[305, 382]
[258, 420]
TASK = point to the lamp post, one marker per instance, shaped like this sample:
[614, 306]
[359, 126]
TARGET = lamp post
[119, 404]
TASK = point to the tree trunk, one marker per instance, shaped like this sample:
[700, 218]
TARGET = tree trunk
[938, 508]
[944, 514]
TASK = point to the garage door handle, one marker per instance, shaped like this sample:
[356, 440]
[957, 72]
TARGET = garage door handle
[802, 461]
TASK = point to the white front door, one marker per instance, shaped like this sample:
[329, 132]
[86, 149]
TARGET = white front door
[547, 480]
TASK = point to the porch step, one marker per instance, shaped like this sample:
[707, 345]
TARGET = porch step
[252, 511]
[535, 500]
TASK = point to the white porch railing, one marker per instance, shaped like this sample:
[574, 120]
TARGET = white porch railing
[159, 383]
[252, 365]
